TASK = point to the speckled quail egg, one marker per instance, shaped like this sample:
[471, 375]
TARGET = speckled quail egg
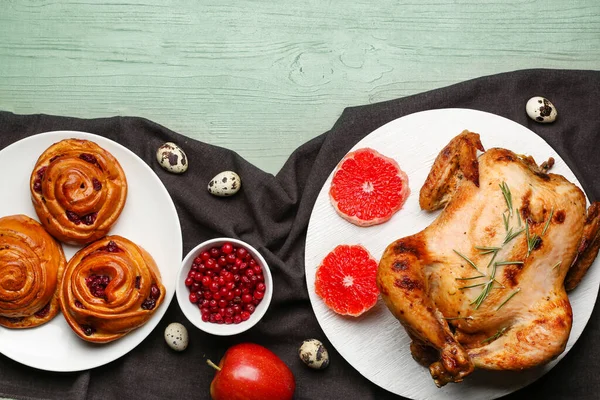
[541, 110]
[176, 336]
[226, 183]
[314, 354]
[172, 158]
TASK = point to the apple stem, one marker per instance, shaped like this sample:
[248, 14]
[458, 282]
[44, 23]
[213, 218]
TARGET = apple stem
[212, 364]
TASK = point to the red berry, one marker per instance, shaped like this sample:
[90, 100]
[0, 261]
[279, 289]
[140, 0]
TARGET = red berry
[212, 303]
[250, 308]
[198, 277]
[245, 315]
[214, 252]
[237, 319]
[230, 258]
[259, 295]
[197, 260]
[205, 255]
[261, 287]
[193, 298]
[227, 248]
[228, 320]
[207, 295]
[229, 296]
[218, 317]
[237, 263]
[189, 281]
[205, 317]
[241, 252]
[222, 303]
[217, 296]
[206, 281]
[257, 269]
[237, 292]
[246, 298]
[213, 286]
[195, 287]
[222, 261]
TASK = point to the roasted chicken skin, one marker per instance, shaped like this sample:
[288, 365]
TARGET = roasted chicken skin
[484, 285]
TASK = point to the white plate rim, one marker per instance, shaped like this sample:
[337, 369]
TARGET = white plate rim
[134, 338]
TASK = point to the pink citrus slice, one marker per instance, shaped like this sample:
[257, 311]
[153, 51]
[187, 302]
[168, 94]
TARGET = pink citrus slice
[346, 280]
[368, 188]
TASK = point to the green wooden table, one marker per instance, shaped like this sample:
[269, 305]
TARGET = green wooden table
[261, 77]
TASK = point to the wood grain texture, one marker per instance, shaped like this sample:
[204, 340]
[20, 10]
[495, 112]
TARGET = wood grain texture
[261, 78]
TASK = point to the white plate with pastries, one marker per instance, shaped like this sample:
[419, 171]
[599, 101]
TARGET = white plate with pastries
[149, 219]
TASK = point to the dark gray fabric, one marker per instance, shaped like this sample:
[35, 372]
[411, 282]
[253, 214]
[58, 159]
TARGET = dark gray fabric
[272, 213]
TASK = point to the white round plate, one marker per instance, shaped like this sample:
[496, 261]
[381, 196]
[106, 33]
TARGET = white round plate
[149, 219]
[375, 343]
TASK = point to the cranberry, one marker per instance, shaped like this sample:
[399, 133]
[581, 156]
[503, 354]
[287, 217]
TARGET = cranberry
[249, 272]
[227, 248]
[228, 320]
[237, 292]
[242, 252]
[207, 295]
[214, 287]
[230, 258]
[90, 218]
[79, 305]
[205, 281]
[193, 298]
[214, 252]
[217, 296]
[149, 304]
[261, 287]
[259, 295]
[88, 330]
[112, 247]
[246, 298]
[222, 303]
[74, 218]
[37, 185]
[210, 263]
[96, 184]
[237, 319]
[204, 303]
[257, 269]
[245, 315]
[205, 255]
[88, 158]
[222, 261]
[243, 265]
[195, 286]
[97, 284]
[218, 318]
[43, 312]
[154, 292]
[250, 308]
[205, 317]
[212, 303]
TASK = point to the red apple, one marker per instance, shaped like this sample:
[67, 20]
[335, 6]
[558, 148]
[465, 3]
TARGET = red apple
[249, 371]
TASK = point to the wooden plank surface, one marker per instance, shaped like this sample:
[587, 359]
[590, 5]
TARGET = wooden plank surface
[263, 77]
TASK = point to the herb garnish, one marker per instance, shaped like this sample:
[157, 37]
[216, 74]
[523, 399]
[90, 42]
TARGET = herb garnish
[507, 197]
[496, 335]
[548, 222]
[508, 298]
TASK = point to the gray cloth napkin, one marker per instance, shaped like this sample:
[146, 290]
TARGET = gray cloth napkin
[272, 213]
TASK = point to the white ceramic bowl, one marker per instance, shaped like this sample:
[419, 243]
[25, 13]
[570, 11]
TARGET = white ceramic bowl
[192, 312]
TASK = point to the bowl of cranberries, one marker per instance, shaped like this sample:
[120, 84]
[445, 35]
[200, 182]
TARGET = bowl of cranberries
[224, 286]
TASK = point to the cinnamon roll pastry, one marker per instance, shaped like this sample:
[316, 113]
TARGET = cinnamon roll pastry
[109, 288]
[31, 268]
[78, 190]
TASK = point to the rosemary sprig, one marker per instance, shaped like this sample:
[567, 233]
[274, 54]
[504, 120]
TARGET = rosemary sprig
[531, 240]
[510, 235]
[486, 289]
[505, 219]
[472, 286]
[508, 298]
[471, 263]
[518, 217]
[455, 318]
[507, 197]
[499, 263]
[557, 265]
[469, 278]
[496, 335]
[548, 222]
[483, 250]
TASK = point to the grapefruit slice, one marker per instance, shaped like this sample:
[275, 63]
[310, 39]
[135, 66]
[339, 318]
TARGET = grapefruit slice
[346, 280]
[368, 188]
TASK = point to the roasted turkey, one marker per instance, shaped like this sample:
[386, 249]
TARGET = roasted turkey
[485, 285]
